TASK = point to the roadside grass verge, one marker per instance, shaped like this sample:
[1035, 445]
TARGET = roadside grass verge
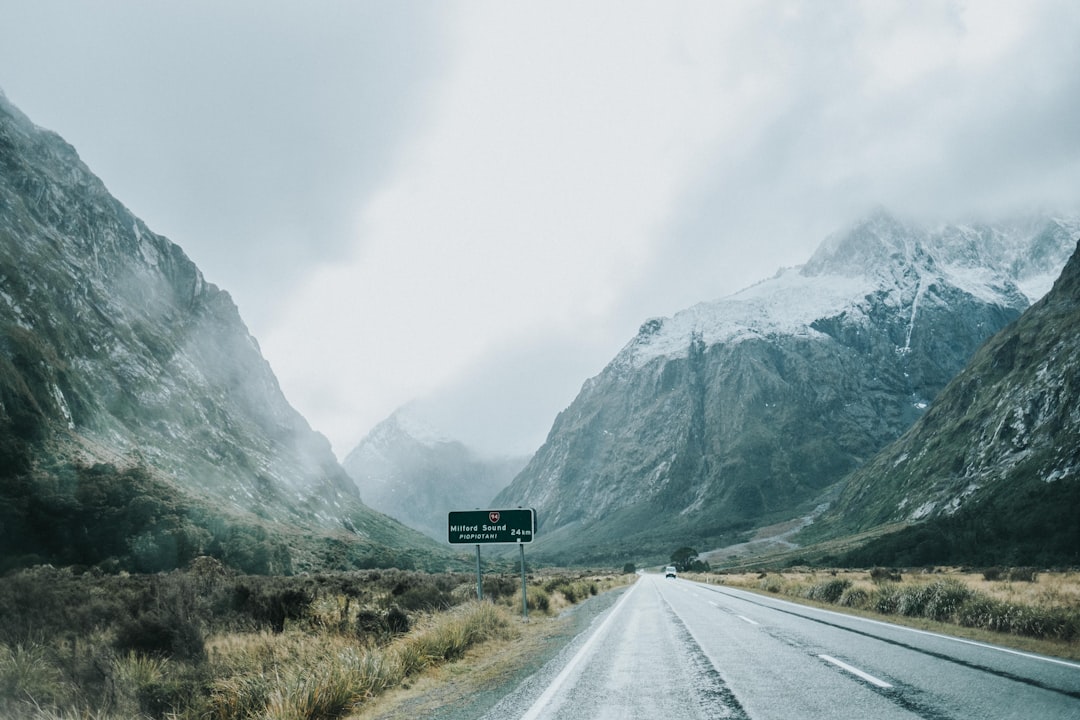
[210, 645]
[1020, 607]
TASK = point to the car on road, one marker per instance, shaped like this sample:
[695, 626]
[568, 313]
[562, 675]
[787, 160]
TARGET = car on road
[669, 572]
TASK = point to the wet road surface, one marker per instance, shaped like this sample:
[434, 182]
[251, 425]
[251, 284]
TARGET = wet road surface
[674, 648]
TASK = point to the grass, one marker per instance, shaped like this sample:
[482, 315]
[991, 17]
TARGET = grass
[1033, 611]
[317, 648]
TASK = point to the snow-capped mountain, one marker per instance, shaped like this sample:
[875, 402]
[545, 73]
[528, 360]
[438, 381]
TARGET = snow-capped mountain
[139, 423]
[991, 473]
[747, 409]
[415, 473]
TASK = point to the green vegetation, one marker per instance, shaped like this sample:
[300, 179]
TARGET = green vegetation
[685, 559]
[127, 519]
[210, 643]
[1033, 522]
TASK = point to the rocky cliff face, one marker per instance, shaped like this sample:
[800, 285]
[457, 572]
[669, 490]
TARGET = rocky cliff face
[417, 476]
[116, 352]
[992, 468]
[746, 410]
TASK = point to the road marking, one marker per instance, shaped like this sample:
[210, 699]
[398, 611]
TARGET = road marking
[746, 619]
[855, 671]
[713, 604]
[545, 697]
[757, 600]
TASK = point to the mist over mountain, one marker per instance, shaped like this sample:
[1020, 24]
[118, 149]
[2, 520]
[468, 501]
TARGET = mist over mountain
[140, 425]
[990, 473]
[411, 472]
[750, 409]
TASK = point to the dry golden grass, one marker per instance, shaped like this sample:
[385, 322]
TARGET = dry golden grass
[1049, 605]
[336, 657]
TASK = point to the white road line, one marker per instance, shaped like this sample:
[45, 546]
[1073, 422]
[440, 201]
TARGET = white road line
[904, 628]
[855, 671]
[746, 619]
[545, 697]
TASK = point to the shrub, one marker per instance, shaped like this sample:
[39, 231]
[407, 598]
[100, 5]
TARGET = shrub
[498, 586]
[912, 601]
[888, 600]
[538, 599]
[854, 597]
[425, 597]
[828, 591]
[982, 612]
[162, 634]
[1023, 574]
[880, 574]
[271, 601]
[770, 583]
[397, 621]
[945, 598]
[382, 624]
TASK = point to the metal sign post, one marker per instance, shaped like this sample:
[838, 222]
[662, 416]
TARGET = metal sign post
[524, 586]
[517, 526]
[479, 577]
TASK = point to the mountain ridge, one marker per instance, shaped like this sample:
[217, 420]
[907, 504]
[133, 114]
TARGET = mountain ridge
[989, 473]
[417, 474]
[123, 367]
[746, 409]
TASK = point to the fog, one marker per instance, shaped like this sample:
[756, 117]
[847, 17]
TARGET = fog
[475, 205]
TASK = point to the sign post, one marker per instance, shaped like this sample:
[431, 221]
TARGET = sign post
[524, 600]
[481, 527]
[479, 581]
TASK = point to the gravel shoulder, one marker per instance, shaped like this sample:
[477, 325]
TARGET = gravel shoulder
[468, 688]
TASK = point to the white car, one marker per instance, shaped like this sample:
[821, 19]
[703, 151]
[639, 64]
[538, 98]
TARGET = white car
[669, 572]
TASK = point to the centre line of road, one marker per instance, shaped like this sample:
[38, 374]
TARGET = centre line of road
[855, 671]
[545, 697]
[748, 620]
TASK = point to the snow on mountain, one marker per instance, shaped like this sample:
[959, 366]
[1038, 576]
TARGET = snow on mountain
[1014, 265]
[746, 409]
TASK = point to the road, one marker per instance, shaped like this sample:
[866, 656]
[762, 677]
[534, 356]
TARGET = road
[675, 648]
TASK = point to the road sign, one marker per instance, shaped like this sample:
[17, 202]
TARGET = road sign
[492, 526]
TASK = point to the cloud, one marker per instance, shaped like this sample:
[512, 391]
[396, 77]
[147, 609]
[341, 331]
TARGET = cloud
[525, 209]
[479, 203]
[243, 130]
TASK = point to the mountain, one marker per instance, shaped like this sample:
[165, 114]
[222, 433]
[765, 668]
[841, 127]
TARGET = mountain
[412, 473]
[744, 411]
[991, 473]
[139, 423]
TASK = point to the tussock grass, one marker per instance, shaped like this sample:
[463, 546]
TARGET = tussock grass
[194, 645]
[303, 675]
[1021, 603]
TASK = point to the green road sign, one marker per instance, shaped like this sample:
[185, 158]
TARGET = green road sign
[492, 526]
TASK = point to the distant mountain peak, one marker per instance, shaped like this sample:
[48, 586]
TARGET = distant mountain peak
[410, 470]
[750, 406]
[877, 243]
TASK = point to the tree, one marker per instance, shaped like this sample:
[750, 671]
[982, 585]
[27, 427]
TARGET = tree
[683, 558]
[629, 568]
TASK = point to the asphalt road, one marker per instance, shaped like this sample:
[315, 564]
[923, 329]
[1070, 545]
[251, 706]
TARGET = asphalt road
[673, 648]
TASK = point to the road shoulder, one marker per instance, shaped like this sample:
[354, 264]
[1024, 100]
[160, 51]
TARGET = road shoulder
[470, 687]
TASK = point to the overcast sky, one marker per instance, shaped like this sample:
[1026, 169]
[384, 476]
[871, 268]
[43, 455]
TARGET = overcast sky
[479, 203]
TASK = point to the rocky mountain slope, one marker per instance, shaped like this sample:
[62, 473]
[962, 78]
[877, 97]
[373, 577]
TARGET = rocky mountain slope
[414, 474]
[744, 411]
[991, 472]
[132, 394]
